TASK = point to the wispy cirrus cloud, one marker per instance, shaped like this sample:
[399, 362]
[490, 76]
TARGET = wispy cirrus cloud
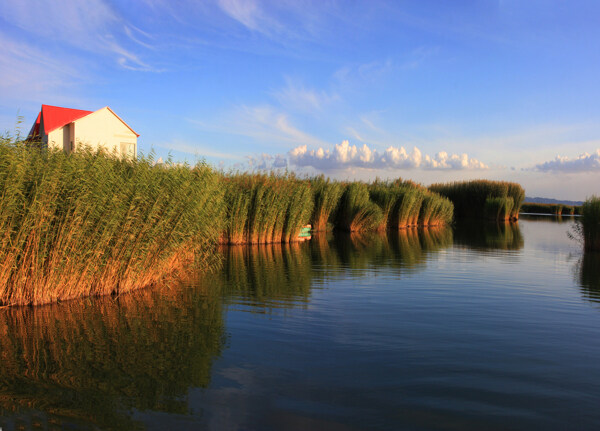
[583, 163]
[92, 26]
[29, 74]
[249, 13]
[297, 97]
[263, 123]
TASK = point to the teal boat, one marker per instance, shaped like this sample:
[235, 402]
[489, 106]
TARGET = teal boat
[305, 233]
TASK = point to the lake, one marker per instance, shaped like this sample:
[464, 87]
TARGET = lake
[479, 326]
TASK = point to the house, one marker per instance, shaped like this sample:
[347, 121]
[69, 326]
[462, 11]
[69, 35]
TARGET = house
[68, 129]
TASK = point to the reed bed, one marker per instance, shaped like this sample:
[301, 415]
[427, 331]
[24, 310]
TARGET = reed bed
[499, 208]
[263, 209]
[590, 221]
[555, 209]
[89, 224]
[357, 212]
[480, 198]
[407, 204]
[326, 197]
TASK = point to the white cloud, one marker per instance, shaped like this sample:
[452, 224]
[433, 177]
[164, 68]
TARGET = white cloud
[345, 155]
[583, 163]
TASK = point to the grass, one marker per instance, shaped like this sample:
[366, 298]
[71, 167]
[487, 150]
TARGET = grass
[478, 198]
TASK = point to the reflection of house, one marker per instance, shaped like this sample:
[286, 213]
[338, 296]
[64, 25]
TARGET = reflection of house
[69, 128]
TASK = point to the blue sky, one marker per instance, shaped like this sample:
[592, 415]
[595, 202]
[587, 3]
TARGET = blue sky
[426, 90]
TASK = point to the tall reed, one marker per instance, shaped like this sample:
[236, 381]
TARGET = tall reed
[499, 208]
[470, 197]
[90, 224]
[386, 196]
[556, 209]
[327, 194]
[405, 204]
[590, 219]
[357, 212]
[277, 208]
[408, 204]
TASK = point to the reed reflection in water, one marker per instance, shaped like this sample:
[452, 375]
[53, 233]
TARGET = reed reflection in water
[327, 342]
[482, 235]
[588, 274]
[90, 362]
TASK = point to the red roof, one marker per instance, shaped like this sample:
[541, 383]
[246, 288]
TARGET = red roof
[55, 117]
[35, 129]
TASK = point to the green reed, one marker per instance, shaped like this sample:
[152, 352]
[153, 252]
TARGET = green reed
[265, 208]
[326, 196]
[386, 196]
[470, 198]
[408, 204]
[357, 212]
[499, 208]
[556, 209]
[590, 220]
[90, 224]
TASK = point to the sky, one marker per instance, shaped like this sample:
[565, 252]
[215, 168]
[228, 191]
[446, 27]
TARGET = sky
[432, 91]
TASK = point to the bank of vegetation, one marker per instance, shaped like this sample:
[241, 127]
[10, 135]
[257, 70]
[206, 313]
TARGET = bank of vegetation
[555, 209]
[90, 224]
[590, 222]
[492, 200]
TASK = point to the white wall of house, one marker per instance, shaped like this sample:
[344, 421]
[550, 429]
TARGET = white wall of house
[103, 129]
[59, 139]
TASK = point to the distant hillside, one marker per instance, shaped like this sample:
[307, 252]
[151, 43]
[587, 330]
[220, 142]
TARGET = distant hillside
[551, 201]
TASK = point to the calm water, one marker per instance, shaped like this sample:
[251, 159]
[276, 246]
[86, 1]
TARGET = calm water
[476, 327]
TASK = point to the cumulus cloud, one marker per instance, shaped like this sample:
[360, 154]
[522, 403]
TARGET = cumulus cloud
[583, 163]
[345, 155]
